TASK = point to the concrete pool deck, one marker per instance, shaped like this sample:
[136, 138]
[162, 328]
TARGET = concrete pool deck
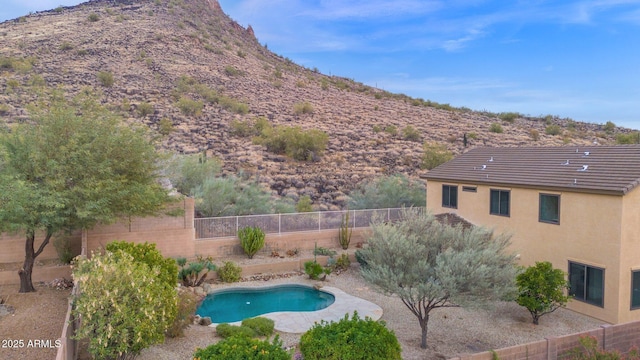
[301, 321]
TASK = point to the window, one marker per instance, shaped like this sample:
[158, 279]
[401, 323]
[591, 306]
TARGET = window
[499, 202]
[549, 209]
[635, 289]
[449, 196]
[586, 283]
[470, 188]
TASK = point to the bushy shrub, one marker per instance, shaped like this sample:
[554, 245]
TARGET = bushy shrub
[509, 117]
[304, 204]
[350, 339]
[260, 325]
[319, 250]
[229, 272]
[589, 350]
[123, 307]
[410, 133]
[552, 130]
[225, 331]
[188, 172]
[148, 254]
[304, 145]
[496, 128]
[62, 244]
[361, 258]
[241, 128]
[105, 78]
[165, 126]
[144, 109]
[195, 272]
[314, 270]
[388, 192]
[233, 105]
[303, 108]
[189, 106]
[93, 17]
[232, 71]
[535, 134]
[541, 289]
[243, 348]
[251, 240]
[630, 138]
[187, 304]
[391, 130]
[434, 155]
[342, 262]
[609, 127]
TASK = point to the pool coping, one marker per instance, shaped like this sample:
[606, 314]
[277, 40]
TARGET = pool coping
[301, 321]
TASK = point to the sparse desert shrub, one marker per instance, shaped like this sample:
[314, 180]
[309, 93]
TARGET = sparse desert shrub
[410, 133]
[496, 128]
[232, 71]
[187, 304]
[629, 138]
[609, 127]
[391, 130]
[552, 130]
[251, 240]
[230, 272]
[189, 106]
[347, 339]
[260, 325]
[144, 109]
[241, 128]
[105, 78]
[434, 155]
[165, 126]
[303, 108]
[342, 262]
[535, 134]
[243, 348]
[233, 105]
[589, 350]
[376, 128]
[319, 250]
[509, 117]
[303, 145]
[4, 109]
[93, 17]
[472, 135]
[241, 54]
[388, 192]
[66, 46]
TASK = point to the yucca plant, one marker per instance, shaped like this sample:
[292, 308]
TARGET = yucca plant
[194, 273]
[251, 240]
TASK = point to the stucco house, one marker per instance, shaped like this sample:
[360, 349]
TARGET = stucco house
[577, 207]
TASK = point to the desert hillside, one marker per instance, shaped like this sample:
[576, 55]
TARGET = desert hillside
[192, 74]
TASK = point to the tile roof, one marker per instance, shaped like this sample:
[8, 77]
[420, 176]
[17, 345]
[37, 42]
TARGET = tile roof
[598, 169]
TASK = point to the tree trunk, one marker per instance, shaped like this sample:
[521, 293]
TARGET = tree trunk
[423, 325]
[536, 319]
[26, 284]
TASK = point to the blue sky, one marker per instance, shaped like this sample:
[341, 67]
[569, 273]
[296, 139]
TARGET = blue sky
[576, 59]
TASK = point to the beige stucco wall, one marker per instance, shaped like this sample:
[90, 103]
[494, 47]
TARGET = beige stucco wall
[589, 232]
[629, 252]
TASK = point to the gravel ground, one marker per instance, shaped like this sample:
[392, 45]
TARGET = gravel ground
[452, 331]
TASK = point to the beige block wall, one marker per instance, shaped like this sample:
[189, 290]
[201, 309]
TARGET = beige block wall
[589, 233]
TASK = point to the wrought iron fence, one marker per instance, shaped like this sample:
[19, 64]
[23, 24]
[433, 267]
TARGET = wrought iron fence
[215, 227]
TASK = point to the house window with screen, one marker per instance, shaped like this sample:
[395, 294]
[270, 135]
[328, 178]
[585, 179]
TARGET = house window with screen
[549, 209]
[586, 283]
[499, 204]
[635, 289]
[449, 196]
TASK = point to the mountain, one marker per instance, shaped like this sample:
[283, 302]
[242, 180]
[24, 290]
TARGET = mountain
[185, 69]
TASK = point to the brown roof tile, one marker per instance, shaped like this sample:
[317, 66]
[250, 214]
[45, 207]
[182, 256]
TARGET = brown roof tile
[609, 169]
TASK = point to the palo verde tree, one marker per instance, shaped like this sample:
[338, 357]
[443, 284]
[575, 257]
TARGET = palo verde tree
[429, 265]
[542, 289]
[71, 166]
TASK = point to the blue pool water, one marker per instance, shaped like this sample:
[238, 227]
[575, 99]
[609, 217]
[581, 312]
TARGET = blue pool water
[237, 304]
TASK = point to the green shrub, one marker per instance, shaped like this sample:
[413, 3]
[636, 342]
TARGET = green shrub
[410, 133]
[541, 289]
[552, 130]
[105, 78]
[189, 106]
[609, 127]
[350, 339]
[303, 145]
[630, 138]
[241, 128]
[314, 270]
[388, 192]
[304, 204]
[66, 46]
[233, 105]
[187, 304]
[243, 348]
[148, 254]
[376, 128]
[342, 262]
[589, 350]
[144, 109]
[121, 297]
[93, 17]
[319, 250]
[230, 272]
[435, 155]
[231, 71]
[260, 325]
[496, 128]
[165, 126]
[391, 130]
[62, 244]
[188, 172]
[194, 273]
[303, 108]
[251, 240]
[509, 117]
[4, 109]
[361, 258]
[535, 134]
[227, 330]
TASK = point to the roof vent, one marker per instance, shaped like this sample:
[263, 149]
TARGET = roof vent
[483, 167]
[577, 151]
[575, 181]
[584, 168]
[490, 160]
[565, 163]
[586, 153]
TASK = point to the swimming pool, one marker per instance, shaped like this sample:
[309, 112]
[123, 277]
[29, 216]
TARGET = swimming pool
[237, 304]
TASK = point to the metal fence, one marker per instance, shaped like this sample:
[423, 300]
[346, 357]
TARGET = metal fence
[215, 227]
